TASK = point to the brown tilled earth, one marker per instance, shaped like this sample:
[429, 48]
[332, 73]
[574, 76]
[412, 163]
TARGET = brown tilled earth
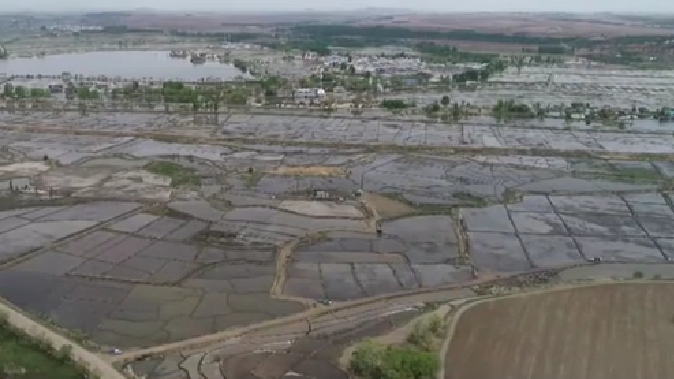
[613, 331]
[527, 23]
[485, 22]
[251, 22]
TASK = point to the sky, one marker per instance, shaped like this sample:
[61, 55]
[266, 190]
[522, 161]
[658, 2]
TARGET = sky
[641, 6]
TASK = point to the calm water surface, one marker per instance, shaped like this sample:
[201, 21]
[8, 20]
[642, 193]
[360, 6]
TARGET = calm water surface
[127, 64]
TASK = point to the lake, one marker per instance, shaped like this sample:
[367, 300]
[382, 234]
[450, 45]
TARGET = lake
[126, 64]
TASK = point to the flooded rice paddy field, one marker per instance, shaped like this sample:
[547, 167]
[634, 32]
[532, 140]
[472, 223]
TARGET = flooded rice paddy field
[540, 232]
[645, 137]
[130, 259]
[623, 97]
[553, 86]
[588, 75]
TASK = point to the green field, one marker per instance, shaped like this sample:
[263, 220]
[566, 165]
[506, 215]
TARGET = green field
[22, 358]
[178, 174]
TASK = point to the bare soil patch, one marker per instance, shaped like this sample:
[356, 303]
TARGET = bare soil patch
[525, 23]
[387, 207]
[613, 331]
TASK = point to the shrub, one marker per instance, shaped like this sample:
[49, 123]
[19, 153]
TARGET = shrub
[425, 333]
[374, 361]
[367, 359]
[421, 337]
[409, 363]
[394, 104]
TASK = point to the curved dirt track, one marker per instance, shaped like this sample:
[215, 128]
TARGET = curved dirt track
[340, 314]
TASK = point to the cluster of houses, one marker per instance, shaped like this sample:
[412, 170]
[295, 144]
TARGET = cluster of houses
[405, 66]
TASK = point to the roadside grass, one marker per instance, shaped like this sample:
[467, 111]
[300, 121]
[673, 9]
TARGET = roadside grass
[178, 174]
[22, 357]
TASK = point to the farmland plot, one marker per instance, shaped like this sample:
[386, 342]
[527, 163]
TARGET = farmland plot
[612, 331]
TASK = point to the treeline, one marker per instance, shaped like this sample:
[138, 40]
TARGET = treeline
[21, 92]
[231, 37]
[452, 54]
[121, 29]
[561, 49]
[201, 98]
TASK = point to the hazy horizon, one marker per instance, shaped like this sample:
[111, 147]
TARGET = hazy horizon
[571, 6]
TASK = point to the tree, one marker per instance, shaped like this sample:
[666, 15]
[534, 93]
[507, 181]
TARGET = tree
[472, 75]
[8, 90]
[445, 101]
[520, 64]
[21, 92]
[433, 108]
[374, 361]
[568, 115]
[84, 93]
[393, 104]
[409, 363]
[456, 111]
[38, 92]
[367, 359]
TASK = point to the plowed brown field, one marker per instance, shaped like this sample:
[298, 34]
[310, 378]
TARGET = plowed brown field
[612, 331]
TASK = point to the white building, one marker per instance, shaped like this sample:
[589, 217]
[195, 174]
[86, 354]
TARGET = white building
[309, 95]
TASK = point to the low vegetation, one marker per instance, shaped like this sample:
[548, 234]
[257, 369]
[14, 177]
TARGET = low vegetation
[178, 174]
[510, 109]
[415, 359]
[21, 92]
[252, 178]
[23, 357]
[395, 104]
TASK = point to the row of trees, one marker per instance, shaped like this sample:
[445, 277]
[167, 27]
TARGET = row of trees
[395, 105]
[511, 109]
[201, 98]
[438, 53]
[21, 92]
